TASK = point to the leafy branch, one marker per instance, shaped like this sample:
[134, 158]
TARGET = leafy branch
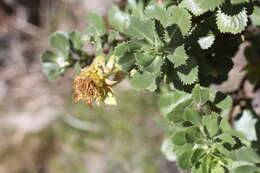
[178, 49]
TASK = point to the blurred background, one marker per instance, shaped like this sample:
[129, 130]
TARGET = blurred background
[41, 131]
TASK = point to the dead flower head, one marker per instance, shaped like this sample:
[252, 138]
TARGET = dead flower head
[92, 84]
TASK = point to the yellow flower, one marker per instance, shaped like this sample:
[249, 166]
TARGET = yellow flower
[92, 84]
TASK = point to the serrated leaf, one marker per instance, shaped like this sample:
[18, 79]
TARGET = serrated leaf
[198, 7]
[171, 100]
[181, 17]
[157, 12]
[179, 56]
[227, 138]
[95, 21]
[142, 80]
[118, 19]
[200, 95]
[232, 24]
[188, 73]
[174, 37]
[207, 41]
[255, 17]
[211, 123]
[177, 113]
[222, 101]
[192, 6]
[60, 41]
[121, 49]
[238, 1]
[141, 29]
[209, 5]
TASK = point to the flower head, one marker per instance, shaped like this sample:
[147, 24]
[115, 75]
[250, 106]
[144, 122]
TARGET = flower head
[92, 84]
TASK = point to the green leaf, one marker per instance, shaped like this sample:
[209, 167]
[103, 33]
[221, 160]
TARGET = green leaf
[177, 113]
[232, 24]
[179, 138]
[141, 29]
[157, 12]
[255, 17]
[48, 56]
[193, 116]
[207, 41]
[206, 163]
[171, 100]
[245, 154]
[95, 21]
[121, 49]
[198, 7]
[118, 19]
[200, 95]
[188, 73]
[192, 134]
[192, 6]
[227, 138]
[218, 169]
[239, 1]
[75, 38]
[77, 68]
[245, 169]
[208, 5]
[197, 155]
[143, 60]
[52, 70]
[174, 37]
[181, 17]
[211, 123]
[60, 41]
[53, 65]
[180, 149]
[126, 62]
[142, 80]
[179, 56]
[224, 125]
[222, 101]
[184, 160]
[112, 35]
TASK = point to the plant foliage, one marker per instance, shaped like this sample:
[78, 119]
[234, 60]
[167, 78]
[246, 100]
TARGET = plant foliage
[176, 48]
